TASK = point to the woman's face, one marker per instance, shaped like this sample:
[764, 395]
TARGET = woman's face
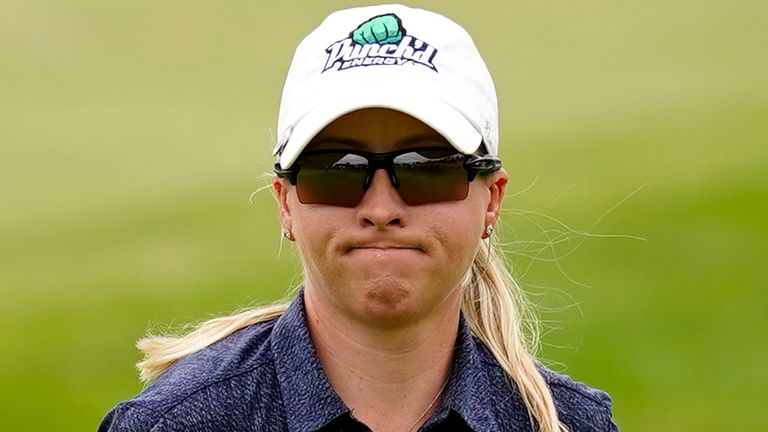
[385, 262]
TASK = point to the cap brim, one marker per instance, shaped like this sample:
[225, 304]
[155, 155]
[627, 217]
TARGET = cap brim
[434, 111]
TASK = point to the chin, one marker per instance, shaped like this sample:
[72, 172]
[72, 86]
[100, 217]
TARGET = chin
[388, 302]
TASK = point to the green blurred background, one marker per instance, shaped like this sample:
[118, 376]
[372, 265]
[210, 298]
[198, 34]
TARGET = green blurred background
[133, 133]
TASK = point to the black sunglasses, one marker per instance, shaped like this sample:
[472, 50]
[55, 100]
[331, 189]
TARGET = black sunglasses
[421, 175]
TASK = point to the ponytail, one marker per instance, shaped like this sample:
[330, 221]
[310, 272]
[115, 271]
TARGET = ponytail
[160, 352]
[497, 311]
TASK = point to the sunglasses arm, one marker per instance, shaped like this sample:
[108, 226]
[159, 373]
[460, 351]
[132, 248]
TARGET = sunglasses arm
[481, 164]
[289, 173]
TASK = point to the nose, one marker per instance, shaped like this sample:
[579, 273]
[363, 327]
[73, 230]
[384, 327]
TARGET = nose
[381, 206]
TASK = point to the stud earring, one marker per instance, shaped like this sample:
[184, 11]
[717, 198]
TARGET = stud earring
[489, 230]
[287, 234]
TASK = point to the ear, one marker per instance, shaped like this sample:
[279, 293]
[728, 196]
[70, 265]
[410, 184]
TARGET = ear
[281, 188]
[497, 184]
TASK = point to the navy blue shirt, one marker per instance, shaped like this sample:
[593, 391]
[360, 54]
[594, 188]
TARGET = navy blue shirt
[266, 377]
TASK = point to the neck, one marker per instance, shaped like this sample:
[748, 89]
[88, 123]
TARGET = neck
[390, 378]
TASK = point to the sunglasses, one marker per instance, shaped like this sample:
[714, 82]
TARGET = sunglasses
[420, 175]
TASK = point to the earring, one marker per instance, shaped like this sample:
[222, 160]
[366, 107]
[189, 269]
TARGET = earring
[287, 234]
[489, 230]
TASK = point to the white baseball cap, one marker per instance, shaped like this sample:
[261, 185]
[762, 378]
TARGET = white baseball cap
[388, 56]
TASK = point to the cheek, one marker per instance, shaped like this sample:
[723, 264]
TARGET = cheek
[459, 233]
[313, 230]
[316, 230]
[468, 224]
[308, 221]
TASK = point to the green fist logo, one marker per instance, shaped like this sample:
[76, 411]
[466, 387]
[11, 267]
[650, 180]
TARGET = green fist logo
[383, 29]
[379, 41]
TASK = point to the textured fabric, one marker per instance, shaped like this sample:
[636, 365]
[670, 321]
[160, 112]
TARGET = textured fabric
[267, 377]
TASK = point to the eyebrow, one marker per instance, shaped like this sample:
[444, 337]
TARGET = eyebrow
[359, 144]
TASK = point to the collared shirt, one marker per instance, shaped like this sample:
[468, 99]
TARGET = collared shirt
[267, 378]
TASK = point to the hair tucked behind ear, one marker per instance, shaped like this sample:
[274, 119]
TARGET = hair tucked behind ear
[498, 312]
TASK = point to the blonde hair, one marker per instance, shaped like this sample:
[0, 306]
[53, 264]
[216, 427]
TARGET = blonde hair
[493, 304]
[501, 316]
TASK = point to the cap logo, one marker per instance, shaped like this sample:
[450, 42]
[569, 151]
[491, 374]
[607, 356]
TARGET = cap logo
[382, 40]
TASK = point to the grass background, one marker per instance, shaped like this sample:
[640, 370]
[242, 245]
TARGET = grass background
[132, 134]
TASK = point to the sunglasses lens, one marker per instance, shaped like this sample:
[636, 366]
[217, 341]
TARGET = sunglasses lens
[331, 179]
[423, 176]
[431, 176]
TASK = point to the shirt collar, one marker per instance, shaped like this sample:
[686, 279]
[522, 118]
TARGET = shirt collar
[310, 401]
[469, 390]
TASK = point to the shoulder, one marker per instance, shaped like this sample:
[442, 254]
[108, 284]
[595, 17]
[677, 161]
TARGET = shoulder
[580, 407]
[223, 377]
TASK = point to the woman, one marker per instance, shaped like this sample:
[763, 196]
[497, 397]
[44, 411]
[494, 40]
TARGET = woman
[389, 183]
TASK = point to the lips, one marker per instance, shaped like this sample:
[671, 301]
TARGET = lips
[382, 247]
